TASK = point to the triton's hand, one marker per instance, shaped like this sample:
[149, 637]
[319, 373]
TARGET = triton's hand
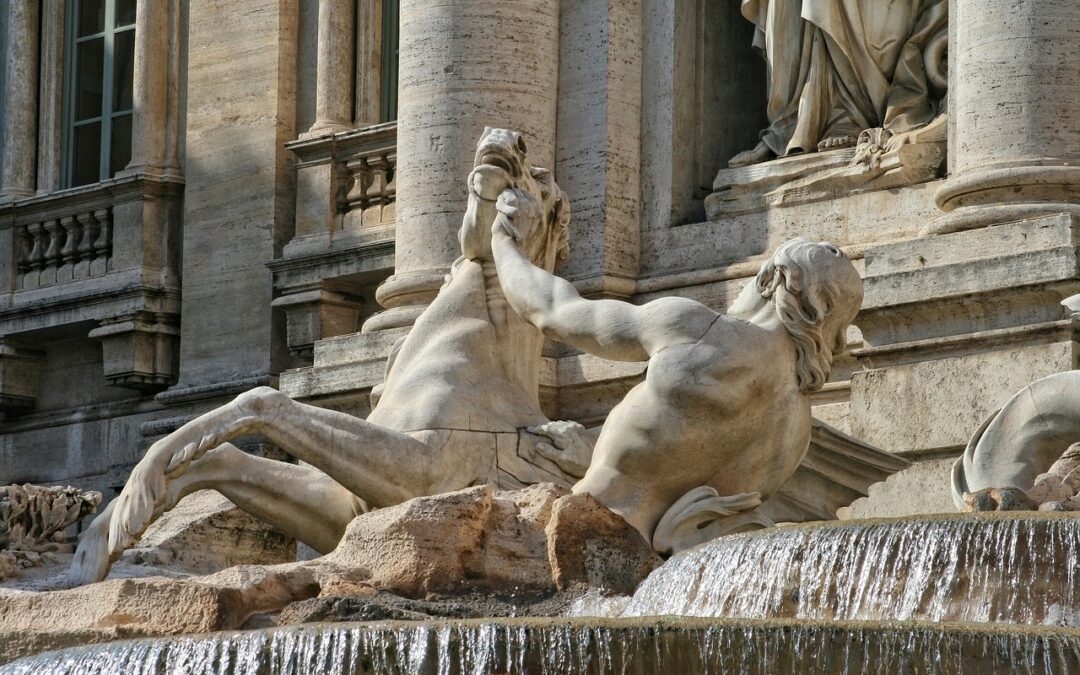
[519, 213]
[571, 446]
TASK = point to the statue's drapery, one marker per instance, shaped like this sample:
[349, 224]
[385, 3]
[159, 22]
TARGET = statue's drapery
[837, 67]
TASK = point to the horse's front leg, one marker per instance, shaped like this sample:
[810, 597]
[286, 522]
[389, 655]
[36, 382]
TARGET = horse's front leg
[382, 466]
[300, 501]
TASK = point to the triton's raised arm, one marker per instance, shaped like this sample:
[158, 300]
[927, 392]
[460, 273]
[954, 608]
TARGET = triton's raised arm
[607, 328]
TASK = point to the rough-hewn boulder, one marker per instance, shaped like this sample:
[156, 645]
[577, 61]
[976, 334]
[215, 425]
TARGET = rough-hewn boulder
[467, 553]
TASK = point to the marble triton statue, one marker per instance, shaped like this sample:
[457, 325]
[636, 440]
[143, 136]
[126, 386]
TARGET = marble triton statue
[467, 372]
[721, 422]
[722, 419]
[837, 68]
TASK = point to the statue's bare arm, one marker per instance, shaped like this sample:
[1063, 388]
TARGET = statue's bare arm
[611, 329]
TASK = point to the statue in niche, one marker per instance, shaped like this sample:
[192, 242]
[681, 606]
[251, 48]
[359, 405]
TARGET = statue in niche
[466, 374]
[466, 379]
[723, 418]
[839, 68]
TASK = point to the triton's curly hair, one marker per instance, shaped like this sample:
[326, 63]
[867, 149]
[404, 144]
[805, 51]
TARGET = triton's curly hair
[816, 292]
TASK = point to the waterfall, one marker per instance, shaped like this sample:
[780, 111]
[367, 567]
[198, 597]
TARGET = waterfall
[997, 568]
[561, 647]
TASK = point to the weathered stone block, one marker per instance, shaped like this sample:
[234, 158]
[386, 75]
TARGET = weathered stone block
[940, 403]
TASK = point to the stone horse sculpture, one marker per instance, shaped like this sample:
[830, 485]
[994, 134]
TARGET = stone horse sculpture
[464, 380]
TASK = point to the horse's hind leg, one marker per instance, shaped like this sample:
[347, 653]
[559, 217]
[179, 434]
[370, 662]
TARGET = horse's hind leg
[301, 501]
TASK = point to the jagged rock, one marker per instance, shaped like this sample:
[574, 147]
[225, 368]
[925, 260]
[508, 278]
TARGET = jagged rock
[468, 553]
[467, 538]
[591, 546]
[1000, 499]
[206, 533]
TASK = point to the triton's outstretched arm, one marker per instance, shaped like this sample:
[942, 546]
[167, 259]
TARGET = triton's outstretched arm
[611, 329]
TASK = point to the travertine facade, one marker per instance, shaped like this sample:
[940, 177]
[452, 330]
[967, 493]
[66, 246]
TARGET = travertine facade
[263, 222]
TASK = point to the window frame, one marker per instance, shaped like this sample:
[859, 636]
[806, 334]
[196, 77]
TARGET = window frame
[69, 104]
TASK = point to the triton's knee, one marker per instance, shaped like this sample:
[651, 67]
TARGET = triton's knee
[261, 401]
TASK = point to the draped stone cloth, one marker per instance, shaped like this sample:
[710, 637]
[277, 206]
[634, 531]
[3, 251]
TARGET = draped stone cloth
[838, 67]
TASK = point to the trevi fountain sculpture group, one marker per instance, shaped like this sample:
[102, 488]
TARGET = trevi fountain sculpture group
[403, 507]
[661, 551]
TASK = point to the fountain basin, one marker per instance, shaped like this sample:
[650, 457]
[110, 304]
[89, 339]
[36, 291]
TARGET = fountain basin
[562, 646]
[1011, 567]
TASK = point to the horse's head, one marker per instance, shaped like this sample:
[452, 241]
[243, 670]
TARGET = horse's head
[502, 163]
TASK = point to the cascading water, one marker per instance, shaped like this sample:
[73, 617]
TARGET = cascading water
[998, 568]
[890, 596]
[560, 648]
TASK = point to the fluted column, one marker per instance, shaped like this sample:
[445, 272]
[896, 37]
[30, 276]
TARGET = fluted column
[19, 98]
[463, 65]
[1014, 112]
[333, 90]
[150, 87]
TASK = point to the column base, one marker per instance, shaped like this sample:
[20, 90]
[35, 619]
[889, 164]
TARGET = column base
[996, 194]
[405, 296]
[975, 217]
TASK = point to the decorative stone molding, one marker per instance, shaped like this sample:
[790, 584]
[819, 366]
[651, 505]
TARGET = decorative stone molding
[139, 351]
[318, 313]
[343, 244]
[89, 253]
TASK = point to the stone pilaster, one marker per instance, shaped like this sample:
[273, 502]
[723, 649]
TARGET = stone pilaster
[1014, 145]
[464, 65]
[19, 161]
[150, 88]
[333, 89]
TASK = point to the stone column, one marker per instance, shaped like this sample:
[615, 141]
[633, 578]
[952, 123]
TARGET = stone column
[1014, 116]
[150, 88]
[333, 87]
[463, 65]
[18, 165]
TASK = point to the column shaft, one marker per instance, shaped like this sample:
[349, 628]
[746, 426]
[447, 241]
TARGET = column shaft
[337, 54]
[150, 87]
[1014, 112]
[464, 65]
[17, 171]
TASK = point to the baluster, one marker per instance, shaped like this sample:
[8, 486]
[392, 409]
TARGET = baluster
[89, 229]
[361, 181]
[56, 236]
[379, 167]
[103, 244]
[25, 243]
[391, 174]
[69, 253]
[37, 251]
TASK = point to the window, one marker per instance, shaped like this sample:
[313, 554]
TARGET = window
[388, 101]
[98, 66]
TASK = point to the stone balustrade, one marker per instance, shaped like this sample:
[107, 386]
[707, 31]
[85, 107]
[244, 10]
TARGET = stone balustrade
[73, 246]
[100, 259]
[343, 243]
[371, 189]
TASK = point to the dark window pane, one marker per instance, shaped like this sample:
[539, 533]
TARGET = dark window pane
[91, 16]
[120, 153]
[86, 154]
[123, 63]
[388, 105]
[88, 78]
[125, 12]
